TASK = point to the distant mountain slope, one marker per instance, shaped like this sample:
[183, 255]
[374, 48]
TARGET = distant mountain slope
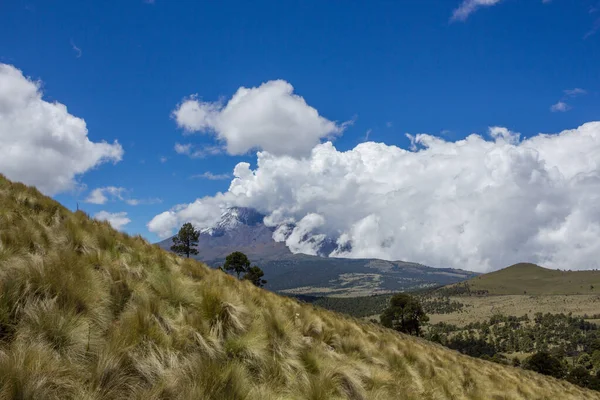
[532, 279]
[90, 313]
[242, 229]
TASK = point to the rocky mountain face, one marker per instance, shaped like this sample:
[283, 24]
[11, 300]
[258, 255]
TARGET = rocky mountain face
[242, 229]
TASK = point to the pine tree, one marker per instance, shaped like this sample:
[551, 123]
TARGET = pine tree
[185, 240]
[237, 262]
[404, 314]
[254, 275]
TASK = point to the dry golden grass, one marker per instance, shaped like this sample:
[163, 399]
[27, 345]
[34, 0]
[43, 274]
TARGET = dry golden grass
[90, 313]
[479, 308]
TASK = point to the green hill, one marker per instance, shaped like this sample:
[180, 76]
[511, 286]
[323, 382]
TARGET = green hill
[531, 279]
[90, 313]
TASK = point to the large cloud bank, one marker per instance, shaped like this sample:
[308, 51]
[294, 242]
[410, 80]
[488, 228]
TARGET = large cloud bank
[269, 117]
[41, 144]
[478, 203]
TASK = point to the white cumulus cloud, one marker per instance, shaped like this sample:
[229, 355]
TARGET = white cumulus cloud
[203, 212]
[118, 220]
[112, 193]
[269, 117]
[210, 176]
[41, 144]
[480, 203]
[101, 195]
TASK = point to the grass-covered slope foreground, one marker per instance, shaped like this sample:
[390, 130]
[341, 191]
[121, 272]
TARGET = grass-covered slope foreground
[89, 313]
[532, 279]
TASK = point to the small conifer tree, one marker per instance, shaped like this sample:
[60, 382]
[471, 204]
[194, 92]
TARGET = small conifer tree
[185, 240]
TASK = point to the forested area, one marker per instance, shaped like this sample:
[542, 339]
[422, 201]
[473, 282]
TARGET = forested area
[560, 345]
[368, 306]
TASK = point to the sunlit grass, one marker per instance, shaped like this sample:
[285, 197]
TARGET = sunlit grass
[90, 313]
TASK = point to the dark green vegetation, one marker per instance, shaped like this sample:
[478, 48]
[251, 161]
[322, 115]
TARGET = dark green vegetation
[367, 306]
[358, 307]
[185, 242]
[254, 275]
[321, 276]
[404, 314]
[528, 279]
[560, 344]
[237, 262]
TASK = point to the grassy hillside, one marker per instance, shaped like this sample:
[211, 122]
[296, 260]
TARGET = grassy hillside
[89, 313]
[531, 279]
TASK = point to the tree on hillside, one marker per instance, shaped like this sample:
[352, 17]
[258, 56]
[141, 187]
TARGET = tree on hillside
[544, 363]
[596, 360]
[237, 262]
[254, 275]
[404, 314]
[581, 376]
[584, 360]
[185, 240]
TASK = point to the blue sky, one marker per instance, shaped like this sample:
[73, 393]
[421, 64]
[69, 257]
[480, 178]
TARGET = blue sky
[389, 67]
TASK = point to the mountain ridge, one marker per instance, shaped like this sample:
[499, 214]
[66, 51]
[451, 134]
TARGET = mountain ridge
[242, 229]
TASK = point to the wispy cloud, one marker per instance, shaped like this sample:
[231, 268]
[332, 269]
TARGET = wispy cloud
[194, 152]
[594, 29]
[183, 148]
[561, 106]
[77, 49]
[210, 176]
[467, 7]
[112, 193]
[388, 124]
[163, 159]
[593, 10]
[368, 134]
[575, 92]
[137, 202]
